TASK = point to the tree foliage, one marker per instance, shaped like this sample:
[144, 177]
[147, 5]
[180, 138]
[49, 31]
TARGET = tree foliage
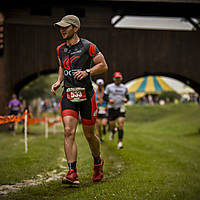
[40, 87]
[171, 95]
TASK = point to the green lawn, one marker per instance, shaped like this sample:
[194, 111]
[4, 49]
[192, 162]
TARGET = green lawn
[161, 159]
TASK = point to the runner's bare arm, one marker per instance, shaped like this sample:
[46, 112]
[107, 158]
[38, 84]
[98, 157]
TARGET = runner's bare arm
[100, 65]
[57, 84]
[60, 74]
[99, 68]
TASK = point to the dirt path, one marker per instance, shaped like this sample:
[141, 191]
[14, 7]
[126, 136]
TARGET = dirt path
[40, 179]
[112, 161]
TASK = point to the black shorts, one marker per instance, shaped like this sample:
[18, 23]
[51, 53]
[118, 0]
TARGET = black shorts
[102, 116]
[88, 109]
[14, 112]
[114, 114]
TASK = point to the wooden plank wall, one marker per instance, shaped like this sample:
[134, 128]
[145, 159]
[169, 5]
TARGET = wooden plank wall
[31, 50]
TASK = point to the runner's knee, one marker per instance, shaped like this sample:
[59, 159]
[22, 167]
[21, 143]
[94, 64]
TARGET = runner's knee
[112, 125]
[120, 126]
[69, 132]
[89, 136]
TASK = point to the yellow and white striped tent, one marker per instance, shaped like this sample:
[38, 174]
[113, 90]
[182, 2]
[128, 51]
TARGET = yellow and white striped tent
[148, 85]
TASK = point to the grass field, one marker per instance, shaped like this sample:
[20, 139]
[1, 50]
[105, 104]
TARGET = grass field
[161, 159]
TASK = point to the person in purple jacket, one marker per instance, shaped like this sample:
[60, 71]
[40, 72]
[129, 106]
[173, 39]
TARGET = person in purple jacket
[14, 106]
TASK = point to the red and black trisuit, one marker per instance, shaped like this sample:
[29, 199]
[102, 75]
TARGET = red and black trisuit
[78, 95]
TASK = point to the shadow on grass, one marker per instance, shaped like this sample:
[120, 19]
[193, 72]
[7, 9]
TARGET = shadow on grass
[68, 186]
[194, 134]
[19, 133]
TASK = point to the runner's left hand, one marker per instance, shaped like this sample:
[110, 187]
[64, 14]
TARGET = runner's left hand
[125, 100]
[79, 75]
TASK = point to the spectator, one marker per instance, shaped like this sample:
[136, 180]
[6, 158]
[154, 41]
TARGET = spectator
[14, 106]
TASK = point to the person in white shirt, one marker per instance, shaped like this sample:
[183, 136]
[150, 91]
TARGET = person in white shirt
[116, 94]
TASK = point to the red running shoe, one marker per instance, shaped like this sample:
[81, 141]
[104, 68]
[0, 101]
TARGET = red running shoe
[71, 178]
[98, 172]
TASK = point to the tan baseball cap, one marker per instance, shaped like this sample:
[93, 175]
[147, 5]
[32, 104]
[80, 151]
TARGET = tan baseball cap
[68, 20]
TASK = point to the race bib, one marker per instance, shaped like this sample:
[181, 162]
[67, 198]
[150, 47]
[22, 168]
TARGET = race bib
[76, 94]
[102, 110]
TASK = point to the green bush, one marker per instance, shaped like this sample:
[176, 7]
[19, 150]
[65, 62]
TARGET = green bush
[40, 87]
[171, 96]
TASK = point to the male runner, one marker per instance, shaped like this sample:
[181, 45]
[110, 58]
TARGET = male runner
[76, 56]
[116, 94]
[102, 109]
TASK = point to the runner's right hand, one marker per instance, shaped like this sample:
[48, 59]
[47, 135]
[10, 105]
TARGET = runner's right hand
[125, 100]
[54, 87]
[111, 101]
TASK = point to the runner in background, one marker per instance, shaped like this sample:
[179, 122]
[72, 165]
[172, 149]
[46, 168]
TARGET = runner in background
[14, 106]
[79, 59]
[102, 110]
[116, 94]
